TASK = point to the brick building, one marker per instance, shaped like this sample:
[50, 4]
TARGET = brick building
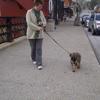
[18, 7]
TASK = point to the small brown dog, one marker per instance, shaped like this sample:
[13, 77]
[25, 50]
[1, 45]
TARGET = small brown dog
[75, 60]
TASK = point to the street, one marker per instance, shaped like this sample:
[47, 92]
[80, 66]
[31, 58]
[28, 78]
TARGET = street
[95, 43]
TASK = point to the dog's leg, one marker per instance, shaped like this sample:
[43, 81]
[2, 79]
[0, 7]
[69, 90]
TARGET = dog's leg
[78, 65]
[73, 68]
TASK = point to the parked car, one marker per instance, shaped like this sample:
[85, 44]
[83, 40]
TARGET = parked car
[84, 15]
[84, 19]
[94, 23]
[87, 21]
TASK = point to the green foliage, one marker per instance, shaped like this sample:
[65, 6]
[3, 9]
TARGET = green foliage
[98, 1]
[93, 3]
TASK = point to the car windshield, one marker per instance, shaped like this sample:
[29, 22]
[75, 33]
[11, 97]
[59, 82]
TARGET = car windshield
[87, 18]
[97, 17]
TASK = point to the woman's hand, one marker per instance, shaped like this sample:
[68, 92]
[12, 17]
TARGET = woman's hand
[40, 28]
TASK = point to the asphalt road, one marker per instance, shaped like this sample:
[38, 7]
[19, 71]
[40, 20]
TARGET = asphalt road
[95, 43]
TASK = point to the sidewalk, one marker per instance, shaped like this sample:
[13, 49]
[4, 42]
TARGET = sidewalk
[7, 44]
[20, 79]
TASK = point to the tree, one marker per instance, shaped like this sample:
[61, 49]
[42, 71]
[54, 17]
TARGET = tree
[93, 3]
[98, 1]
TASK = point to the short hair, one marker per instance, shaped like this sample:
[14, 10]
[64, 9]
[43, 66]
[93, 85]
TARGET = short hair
[37, 2]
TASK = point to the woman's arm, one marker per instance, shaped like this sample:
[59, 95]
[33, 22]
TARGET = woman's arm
[30, 23]
[43, 19]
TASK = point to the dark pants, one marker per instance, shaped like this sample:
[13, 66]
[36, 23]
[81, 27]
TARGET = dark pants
[36, 50]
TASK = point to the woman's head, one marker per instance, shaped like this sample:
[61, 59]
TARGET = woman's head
[38, 5]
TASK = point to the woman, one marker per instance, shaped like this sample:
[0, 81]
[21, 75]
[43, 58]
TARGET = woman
[35, 22]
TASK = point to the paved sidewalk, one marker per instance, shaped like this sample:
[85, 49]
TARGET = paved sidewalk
[20, 79]
[7, 44]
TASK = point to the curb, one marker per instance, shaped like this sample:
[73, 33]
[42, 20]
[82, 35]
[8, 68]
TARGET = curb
[8, 44]
[93, 48]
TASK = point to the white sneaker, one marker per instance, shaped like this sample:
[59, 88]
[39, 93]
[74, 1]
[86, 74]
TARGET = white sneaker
[34, 62]
[39, 67]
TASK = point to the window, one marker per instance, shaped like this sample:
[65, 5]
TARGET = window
[97, 17]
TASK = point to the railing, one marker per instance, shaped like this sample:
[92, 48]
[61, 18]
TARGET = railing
[11, 28]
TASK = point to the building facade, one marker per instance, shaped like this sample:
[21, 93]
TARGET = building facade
[18, 7]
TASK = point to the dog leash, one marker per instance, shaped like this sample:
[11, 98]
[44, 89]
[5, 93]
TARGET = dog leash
[56, 42]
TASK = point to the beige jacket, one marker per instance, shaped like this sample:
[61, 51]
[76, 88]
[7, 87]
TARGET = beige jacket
[32, 24]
